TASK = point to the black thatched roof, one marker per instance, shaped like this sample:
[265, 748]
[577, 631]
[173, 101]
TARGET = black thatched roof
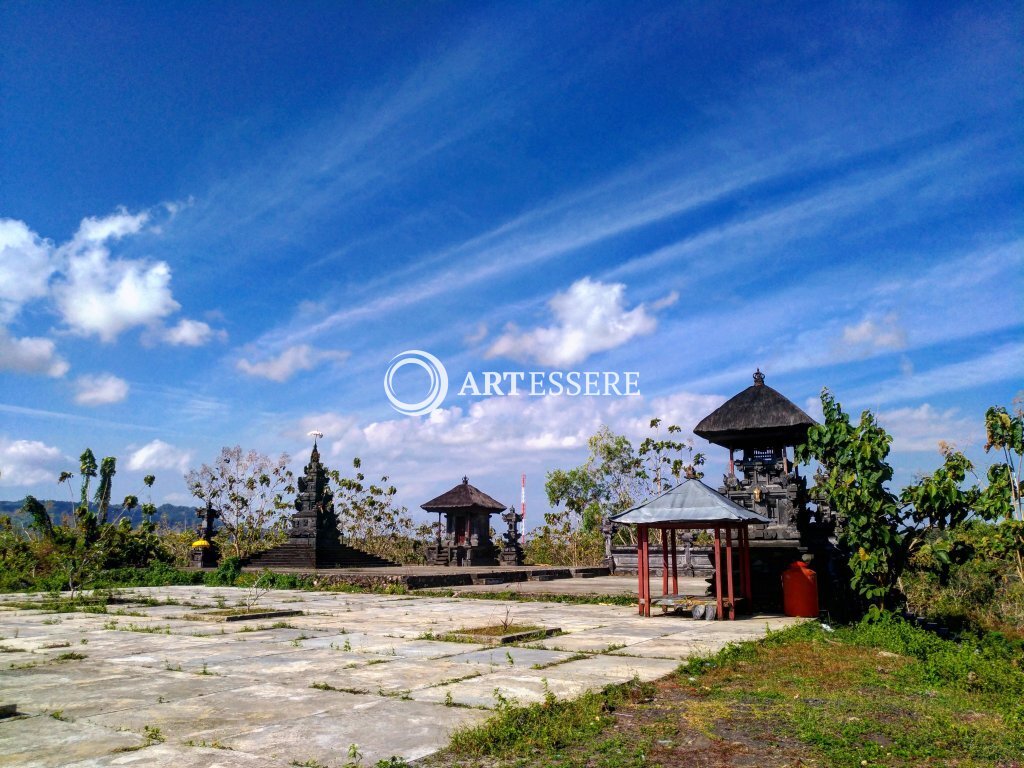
[757, 417]
[463, 497]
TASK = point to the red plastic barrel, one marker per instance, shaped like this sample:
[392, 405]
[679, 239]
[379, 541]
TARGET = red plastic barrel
[800, 591]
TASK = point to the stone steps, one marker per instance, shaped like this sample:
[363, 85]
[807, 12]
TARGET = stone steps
[297, 555]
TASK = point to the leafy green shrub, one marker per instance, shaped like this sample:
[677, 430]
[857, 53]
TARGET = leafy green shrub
[987, 662]
[965, 577]
[156, 575]
[227, 573]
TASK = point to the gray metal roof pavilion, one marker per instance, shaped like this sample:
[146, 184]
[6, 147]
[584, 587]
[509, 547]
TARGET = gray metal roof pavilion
[689, 502]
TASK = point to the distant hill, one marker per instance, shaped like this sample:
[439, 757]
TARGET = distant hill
[170, 515]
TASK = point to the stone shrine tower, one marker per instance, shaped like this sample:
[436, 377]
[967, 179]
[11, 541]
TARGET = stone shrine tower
[314, 522]
[314, 541]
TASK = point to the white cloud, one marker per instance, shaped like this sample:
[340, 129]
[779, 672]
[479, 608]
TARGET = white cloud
[871, 335]
[683, 409]
[917, 428]
[26, 264]
[923, 427]
[813, 408]
[100, 389]
[590, 317]
[191, 333]
[30, 354]
[102, 296]
[28, 462]
[159, 455]
[334, 426]
[95, 293]
[302, 357]
[112, 227]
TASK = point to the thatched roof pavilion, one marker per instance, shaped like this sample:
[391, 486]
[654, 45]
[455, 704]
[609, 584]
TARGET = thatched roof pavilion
[467, 531]
[755, 418]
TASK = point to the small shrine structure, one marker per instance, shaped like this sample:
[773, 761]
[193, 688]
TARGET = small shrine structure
[465, 536]
[688, 506]
[205, 553]
[313, 538]
[762, 425]
[511, 542]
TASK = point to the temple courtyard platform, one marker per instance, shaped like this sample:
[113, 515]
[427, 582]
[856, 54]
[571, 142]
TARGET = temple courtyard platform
[152, 682]
[439, 576]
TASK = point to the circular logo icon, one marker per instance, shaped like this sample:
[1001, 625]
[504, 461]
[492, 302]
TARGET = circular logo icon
[438, 382]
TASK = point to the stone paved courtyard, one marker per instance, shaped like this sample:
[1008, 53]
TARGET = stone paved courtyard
[156, 689]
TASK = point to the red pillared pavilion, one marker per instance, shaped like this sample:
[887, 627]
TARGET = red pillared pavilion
[693, 505]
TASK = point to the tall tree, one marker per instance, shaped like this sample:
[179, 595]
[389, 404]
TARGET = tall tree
[108, 468]
[616, 477]
[1005, 433]
[878, 529]
[87, 471]
[370, 518]
[662, 456]
[39, 517]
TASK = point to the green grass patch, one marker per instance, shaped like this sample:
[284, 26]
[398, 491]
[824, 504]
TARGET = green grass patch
[878, 694]
[543, 730]
[71, 656]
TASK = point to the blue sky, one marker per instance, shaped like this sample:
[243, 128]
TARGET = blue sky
[219, 223]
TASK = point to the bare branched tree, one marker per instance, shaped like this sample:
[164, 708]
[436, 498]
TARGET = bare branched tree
[249, 491]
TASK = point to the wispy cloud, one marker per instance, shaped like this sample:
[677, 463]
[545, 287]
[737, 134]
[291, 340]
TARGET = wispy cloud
[74, 418]
[875, 334]
[1004, 363]
[290, 362]
[921, 428]
[637, 200]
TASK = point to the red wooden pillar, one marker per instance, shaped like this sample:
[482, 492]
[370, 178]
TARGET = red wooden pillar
[728, 571]
[675, 572]
[746, 575]
[740, 540]
[718, 571]
[664, 561]
[647, 572]
[640, 569]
